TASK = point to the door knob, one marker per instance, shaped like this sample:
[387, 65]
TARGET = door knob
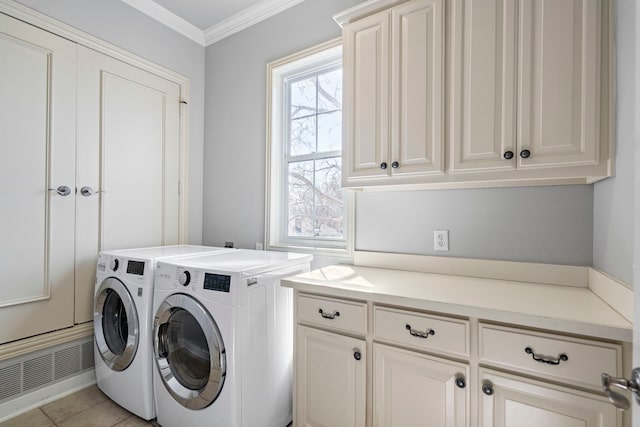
[525, 154]
[383, 165]
[62, 190]
[632, 385]
[508, 155]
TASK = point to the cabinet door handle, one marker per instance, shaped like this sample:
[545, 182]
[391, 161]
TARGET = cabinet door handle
[395, 165]
[460, 381]
[383, 165]
[561, 358]
[357, 355]
[329, 316]
[419, 334]
[508, 155]
[487, 388]
[525, 154]
[62, 190]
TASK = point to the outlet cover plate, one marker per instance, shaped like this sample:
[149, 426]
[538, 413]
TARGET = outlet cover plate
[441, 240]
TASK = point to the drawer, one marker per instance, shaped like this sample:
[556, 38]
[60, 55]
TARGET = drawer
[344, 315]
[549, 356]
[422, 331]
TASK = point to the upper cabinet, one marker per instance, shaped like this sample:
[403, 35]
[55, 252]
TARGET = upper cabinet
[394, 97]
[477, 93]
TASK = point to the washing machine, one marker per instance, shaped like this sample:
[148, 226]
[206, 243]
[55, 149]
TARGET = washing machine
[223, 339]
[122, 323]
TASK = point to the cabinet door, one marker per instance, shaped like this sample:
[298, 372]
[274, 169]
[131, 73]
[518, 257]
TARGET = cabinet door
[559, 82]
[330, 379]
[129, 155]
[366, 98]
[519, 402]
[417, 101]
[413, 389]
[37, 153]
[483, 101]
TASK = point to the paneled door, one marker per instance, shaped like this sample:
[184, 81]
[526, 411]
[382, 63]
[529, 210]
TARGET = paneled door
[330, 379]
[128, 164]
[413, 389]
[37, 180]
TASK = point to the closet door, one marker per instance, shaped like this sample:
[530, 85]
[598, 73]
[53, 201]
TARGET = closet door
[128, 162]
[37, 153]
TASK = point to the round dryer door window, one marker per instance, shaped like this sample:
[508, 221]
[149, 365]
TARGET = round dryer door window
[189, 351]
[115, 323]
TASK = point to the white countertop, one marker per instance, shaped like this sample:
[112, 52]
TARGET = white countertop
[568, 309]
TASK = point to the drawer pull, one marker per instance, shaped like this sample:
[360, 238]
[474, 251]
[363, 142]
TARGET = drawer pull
[562, 358]
[329, 316]
[420, 334]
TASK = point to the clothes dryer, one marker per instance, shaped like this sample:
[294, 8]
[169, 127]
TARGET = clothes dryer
[122, 323]
[223, 339]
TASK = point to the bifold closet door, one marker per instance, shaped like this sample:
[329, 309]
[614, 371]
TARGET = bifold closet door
[128, 162]
[37, 180]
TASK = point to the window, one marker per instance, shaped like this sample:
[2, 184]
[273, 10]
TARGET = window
[306, 207]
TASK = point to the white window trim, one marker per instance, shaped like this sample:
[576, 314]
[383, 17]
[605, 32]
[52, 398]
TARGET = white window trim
[277, 71]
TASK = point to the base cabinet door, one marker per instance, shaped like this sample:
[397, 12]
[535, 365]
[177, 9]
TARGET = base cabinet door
[510, 401]
[413, 389]
[330, 379]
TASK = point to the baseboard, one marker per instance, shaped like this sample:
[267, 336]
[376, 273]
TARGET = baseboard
[45, 395]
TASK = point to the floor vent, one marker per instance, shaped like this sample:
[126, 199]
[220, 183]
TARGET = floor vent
[30, 372]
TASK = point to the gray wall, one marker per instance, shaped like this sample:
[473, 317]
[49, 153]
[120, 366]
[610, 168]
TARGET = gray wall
[533, 224]
[550, 224]
[234, 152]
[613, 198]
[117, 23]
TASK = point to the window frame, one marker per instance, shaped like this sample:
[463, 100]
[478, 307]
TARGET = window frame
[276, 201]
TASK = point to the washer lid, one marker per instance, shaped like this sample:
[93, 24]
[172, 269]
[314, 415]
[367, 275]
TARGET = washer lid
[189, 351]
[115, 324]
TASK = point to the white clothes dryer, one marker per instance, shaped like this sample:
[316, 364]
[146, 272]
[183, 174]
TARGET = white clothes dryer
[223, 339]
[122, 323]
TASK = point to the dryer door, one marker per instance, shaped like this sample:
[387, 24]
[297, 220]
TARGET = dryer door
[115, 323]
[189, 351]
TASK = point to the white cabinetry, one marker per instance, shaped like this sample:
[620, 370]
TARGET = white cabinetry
[330, 368]
[394, 97]
[91, 161]
[331, 388]
[424, 370]
[512, 401]
[410, 388]
[529, 94]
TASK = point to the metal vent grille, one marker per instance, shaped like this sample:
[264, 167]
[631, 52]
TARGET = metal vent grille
[37, 372]
[87, 355]
[66, 362]
[24, 374]
[10, 381]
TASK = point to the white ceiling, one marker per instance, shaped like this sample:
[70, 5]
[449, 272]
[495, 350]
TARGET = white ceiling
[207, 21]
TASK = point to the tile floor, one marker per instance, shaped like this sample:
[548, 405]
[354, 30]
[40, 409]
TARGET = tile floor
[86, 408]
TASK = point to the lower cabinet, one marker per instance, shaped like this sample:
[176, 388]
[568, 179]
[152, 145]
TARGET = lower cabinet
[361, 363]
[512, 401]
[413, 389]
[330, 379]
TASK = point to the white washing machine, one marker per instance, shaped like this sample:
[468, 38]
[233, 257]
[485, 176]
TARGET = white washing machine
[122, 323]
[223, 339]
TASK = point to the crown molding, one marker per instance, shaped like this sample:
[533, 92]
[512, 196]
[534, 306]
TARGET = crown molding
[168, 18]
[246, 18]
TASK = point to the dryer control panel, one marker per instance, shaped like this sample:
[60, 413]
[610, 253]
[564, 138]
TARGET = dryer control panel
[217, 282]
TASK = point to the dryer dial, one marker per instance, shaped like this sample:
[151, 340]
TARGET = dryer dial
[115, 263]
[184, 278]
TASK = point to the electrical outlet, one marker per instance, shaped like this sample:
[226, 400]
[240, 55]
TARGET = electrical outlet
[441, 240]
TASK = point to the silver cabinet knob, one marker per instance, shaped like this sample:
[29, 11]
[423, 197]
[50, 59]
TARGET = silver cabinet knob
[86, 191]
[63, 190]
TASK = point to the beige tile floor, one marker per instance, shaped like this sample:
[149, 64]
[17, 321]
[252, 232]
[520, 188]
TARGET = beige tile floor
[86, 408]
